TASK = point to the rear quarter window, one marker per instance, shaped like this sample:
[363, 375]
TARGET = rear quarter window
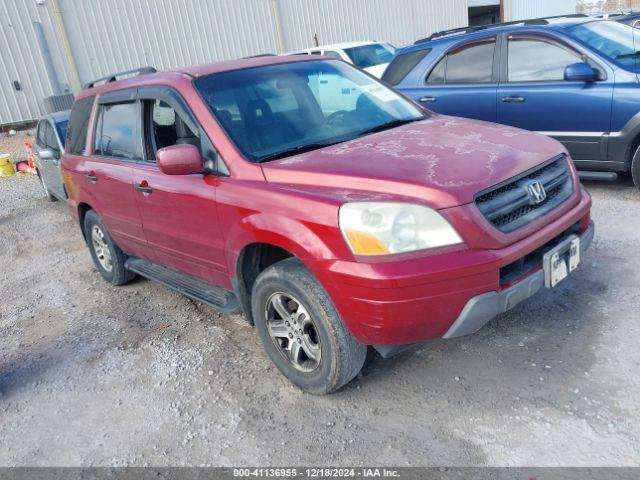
[402, 64]
[78, 126]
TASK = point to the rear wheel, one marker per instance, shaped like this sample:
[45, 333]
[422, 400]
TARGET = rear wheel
[635, 168]
[301, 330]
[107, 256]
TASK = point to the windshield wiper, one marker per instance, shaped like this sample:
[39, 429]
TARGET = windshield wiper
[388, 125]
[296, 150]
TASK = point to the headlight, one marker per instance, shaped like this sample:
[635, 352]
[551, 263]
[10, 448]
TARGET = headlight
[381, 228]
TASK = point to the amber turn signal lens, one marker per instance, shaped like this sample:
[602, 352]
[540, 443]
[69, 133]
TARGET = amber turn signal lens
[364, 243]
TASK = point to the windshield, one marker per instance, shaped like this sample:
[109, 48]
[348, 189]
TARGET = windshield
[616, 41]
[62, 129]
[370, 55]
[278, 110]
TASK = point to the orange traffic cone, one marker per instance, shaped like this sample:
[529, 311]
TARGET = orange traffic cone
[29, 147]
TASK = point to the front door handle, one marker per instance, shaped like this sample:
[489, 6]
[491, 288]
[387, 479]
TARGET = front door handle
[513, 99]
[427, 99]
[91, 177]
[143, 187]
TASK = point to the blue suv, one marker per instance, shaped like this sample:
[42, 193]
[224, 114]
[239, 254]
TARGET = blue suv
[573, 78]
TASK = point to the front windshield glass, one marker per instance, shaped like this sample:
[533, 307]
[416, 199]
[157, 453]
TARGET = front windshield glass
[370, 55]
[278, 110]
[616, 41]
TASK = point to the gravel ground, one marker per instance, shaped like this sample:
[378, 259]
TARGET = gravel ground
[92, 374]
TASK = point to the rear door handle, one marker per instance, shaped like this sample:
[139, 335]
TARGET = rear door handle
[143, 187]
[91, 177]
[513, 99]
[427, 99]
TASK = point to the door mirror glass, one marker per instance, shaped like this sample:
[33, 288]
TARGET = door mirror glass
[580, 72]
[46, 154]
[183, 159]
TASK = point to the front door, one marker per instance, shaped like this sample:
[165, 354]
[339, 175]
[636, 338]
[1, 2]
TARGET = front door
[179, 213]
[462, 83]
[534, 95]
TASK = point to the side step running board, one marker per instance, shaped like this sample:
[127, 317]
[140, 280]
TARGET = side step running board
[215, 297]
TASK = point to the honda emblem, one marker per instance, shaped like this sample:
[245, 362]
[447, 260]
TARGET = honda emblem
[536, 192]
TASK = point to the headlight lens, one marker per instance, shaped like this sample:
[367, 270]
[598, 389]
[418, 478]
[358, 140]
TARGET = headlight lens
[382, 228]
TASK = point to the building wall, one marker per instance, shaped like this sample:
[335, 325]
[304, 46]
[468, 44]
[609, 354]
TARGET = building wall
[523, 9]
[107, 36]
[21, 60]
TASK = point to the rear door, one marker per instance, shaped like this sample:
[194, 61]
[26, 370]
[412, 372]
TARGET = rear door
[463, 82]
[534, 95]
[108, 172]
[179, 212]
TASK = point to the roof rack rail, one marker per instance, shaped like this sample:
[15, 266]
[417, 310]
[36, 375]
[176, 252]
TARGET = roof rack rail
[475, 28]
[114, 76]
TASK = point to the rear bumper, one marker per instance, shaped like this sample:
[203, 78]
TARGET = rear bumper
[482, 308]
[447, 294]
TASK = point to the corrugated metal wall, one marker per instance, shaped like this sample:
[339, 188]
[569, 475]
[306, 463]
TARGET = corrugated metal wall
[399, 22]
[523, 9]
[21, 60]
[115, 35]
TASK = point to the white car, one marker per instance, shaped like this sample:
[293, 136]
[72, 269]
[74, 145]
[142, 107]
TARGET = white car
[372, 57]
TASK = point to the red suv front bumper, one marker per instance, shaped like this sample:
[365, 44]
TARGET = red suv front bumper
[445, 295]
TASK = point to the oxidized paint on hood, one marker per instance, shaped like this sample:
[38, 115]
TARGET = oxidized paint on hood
[444, 161]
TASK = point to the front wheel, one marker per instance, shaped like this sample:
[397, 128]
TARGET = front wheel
[301, 330]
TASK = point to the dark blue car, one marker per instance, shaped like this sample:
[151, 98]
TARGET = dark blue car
[573, 78]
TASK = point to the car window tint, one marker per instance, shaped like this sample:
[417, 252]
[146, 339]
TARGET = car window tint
[536, 61]
[436, 77]
[471, 64]
[78, 126]
[117, 132]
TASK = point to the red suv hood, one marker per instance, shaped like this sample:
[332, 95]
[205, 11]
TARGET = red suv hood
[444, 161]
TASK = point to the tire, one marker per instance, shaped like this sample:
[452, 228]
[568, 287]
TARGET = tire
[107, 256]
[335, 356]
[635, 168]
[47, 193]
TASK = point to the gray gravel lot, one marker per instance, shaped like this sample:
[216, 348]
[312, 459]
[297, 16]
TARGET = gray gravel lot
[92, 374]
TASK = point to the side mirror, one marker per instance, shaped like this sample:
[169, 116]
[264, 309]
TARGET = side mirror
[46, 154]
[580, 72]
[179, 160]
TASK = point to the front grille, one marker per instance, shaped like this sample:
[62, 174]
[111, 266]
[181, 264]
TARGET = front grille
[509, 206]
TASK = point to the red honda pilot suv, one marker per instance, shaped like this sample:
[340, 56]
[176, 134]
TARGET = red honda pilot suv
[332, 211]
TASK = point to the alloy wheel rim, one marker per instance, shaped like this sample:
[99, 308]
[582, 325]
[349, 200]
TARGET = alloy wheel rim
[293, 331]
[101, 248]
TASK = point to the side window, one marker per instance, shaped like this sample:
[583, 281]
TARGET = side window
[165, 128]
[436, 77]
[332, 54]
[79, 125]
[469, 64]
[531, 60]
[51, 141]
[40, 136]
[118, 132]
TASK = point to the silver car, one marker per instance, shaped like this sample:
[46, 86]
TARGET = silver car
[48, 149]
